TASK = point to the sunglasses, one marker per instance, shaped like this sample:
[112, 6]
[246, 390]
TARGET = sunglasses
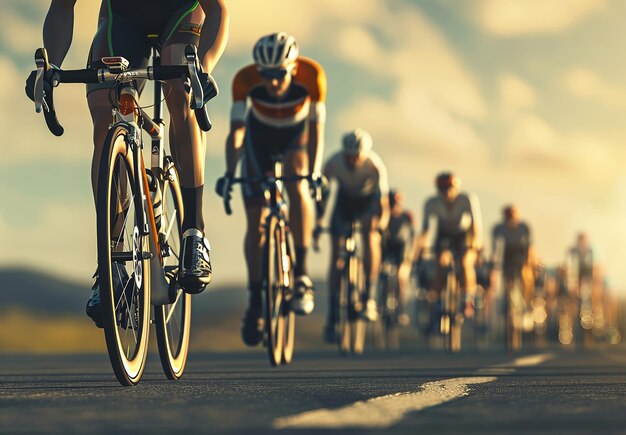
[273, 73]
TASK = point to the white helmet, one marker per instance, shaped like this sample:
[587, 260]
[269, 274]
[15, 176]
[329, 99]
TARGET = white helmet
[275, 50]
[357, 142]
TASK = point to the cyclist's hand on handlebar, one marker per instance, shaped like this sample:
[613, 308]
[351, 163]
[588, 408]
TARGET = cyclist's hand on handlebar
[29, 88]
[224, 186]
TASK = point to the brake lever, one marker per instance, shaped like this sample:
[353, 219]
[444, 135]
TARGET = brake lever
[193, 68]
[41, 61]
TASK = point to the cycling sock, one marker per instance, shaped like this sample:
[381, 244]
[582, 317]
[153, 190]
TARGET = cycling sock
[192, 201]
[255, 299]
[300, 267]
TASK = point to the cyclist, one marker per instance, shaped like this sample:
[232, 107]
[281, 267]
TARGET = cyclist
[278, 107]
[363, 194]
[127, 28]
[453, 219]
[580, 261]
[397, 244]
[511, 250]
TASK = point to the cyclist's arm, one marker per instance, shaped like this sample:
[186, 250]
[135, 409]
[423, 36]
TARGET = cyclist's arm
[58, 30]
[383, 189]
[329, 173]
[214, 33]
[242, 83]
[314, 78]
[477, 222]
[234, 146]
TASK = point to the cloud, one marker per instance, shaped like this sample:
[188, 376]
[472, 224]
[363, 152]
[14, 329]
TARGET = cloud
[515, 94]
[508, 18]
[587, 84]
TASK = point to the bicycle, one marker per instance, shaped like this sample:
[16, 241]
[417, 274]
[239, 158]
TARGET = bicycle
[514, 308]
[138, 234]
[349, 300]
[452, 318]
[278, 261]
[390, 304]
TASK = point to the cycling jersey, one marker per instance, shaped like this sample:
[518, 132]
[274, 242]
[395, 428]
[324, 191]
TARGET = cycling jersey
[305, 99]
[516, 243]
[367, 179]
[128, 28]
[399, 238]
[360, 189]
[583, 259]
[453, 222]
[276, 125]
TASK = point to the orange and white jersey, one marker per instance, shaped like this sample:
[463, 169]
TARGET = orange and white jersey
[305, 99]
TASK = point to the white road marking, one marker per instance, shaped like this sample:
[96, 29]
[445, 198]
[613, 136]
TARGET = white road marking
[527, 361]
[385, 411]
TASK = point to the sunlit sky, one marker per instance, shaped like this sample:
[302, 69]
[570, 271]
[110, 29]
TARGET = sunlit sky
[524, 99]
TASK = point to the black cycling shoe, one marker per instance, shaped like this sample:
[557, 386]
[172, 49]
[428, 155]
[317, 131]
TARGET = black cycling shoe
[253, 326]
[93, 309]
[195, 264]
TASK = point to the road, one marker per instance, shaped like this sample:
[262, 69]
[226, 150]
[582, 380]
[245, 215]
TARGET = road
[540, 391]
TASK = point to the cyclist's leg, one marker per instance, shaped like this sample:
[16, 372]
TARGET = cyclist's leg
[187, 140]
[372, 261]
[468, 261]
[300, 205]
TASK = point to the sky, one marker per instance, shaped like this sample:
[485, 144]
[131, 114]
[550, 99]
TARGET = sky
[523, 99]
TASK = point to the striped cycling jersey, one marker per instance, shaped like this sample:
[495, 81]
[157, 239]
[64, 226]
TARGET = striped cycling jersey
[305, 98]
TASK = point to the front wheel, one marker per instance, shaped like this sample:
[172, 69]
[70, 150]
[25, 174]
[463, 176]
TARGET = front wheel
[273, 288]
[123, 258]
[172, 321]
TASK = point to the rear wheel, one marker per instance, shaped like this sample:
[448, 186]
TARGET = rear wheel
[173, 321]
[123, 259]
[273, 287]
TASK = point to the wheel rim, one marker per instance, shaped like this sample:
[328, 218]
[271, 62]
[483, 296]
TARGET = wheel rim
[124, 272]
[274, 297]
[176, 316]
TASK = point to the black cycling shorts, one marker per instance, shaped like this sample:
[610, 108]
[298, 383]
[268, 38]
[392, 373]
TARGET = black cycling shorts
[348, 209]
[260, 144]
[457, 243]
[129, 28]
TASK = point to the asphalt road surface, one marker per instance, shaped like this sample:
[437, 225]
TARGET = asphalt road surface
[541, 391]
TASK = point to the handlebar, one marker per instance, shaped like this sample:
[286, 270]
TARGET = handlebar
[116, 71]
[315, 182]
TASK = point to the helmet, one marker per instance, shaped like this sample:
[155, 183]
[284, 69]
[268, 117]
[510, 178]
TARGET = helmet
[395, 197]
[446, 180]
[275, 50]
[357, 142]
[509, 211]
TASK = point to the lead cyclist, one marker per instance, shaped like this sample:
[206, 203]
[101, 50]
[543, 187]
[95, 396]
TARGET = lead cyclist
[127, 28]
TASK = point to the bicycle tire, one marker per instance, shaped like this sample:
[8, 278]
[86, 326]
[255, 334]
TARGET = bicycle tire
[172, 321]
[272, 285]
[343, 311]
[288, 313]
[117, 179]
[358, 326]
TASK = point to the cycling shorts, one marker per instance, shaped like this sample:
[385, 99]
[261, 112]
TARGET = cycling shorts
[457, 243]
[397, 251]
[348, 209]
[129, 28]
[261, 143]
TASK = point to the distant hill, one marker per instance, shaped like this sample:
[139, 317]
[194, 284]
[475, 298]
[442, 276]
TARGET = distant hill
[44, 308]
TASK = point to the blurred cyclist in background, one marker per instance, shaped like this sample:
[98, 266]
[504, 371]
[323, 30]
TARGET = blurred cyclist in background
[278, 107]
[511, 250]
[453, 219]
[361, 178]
[397, 248]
